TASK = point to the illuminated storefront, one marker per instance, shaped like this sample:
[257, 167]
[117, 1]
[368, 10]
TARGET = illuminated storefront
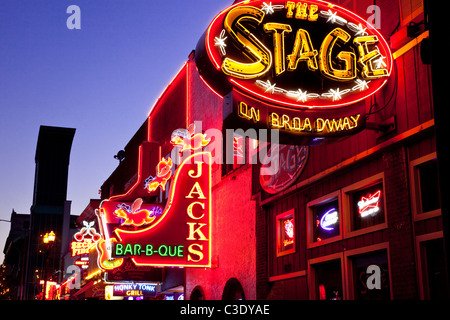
[351, 211]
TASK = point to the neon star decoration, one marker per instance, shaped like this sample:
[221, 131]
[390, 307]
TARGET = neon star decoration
[220, 42]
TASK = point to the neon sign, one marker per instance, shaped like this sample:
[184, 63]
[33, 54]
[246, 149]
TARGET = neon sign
[84, 239]
[329, 219]
[369, 205]
[134, 289]
[311, 57]
[149, 235]
[289, 232]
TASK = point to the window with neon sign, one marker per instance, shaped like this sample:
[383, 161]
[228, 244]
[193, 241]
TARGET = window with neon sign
[368, 207]
[285, 224]
[326, 221]
[371, 276]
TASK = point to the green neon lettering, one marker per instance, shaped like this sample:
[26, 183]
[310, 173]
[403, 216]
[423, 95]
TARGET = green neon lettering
[119, 249]
[137, 249]
[148, 250]
[180, 251]
[128, 249]
[161, 253]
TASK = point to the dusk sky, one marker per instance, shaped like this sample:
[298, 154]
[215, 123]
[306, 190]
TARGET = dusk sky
[101, 80]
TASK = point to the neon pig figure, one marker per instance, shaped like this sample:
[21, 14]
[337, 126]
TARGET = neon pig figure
[329, 219]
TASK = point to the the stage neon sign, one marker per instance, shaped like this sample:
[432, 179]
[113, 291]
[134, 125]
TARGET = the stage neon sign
[303, 68]
[281, 51]
[178, 235]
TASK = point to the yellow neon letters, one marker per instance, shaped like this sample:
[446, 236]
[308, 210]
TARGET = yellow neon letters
[307, 125]
[256, 52]
[302, 10]
[303, 51]
[248, 113]
[325, 59]
[278, 43]
[367, 57]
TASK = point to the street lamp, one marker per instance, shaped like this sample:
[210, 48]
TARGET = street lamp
[49, 239]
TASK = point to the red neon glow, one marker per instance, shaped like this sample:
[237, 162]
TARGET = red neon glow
[216, 56]
[370, 204]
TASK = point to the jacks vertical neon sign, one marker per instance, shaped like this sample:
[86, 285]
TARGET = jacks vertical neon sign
[179, 235]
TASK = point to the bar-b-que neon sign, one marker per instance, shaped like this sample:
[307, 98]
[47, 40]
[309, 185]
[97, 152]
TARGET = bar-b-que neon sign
[149, 235]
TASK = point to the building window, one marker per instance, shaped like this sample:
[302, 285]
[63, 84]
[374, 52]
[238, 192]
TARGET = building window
[432, 267]
[371, 276]
[426, 197]
[327, 277]
[233, 290]
[197, 294]
[364, 205]
[285, 225]
[324, 217]
[429, 188]
[238, 156]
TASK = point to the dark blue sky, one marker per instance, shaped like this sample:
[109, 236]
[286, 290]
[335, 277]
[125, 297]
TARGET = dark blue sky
[102, 80]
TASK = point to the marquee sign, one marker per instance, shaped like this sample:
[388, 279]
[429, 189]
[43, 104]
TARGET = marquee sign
[148, 234]
[305, 60]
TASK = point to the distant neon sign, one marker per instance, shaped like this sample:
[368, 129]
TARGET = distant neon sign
[134, 289]
[329, 219]
[369, 205]
[85, 239]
